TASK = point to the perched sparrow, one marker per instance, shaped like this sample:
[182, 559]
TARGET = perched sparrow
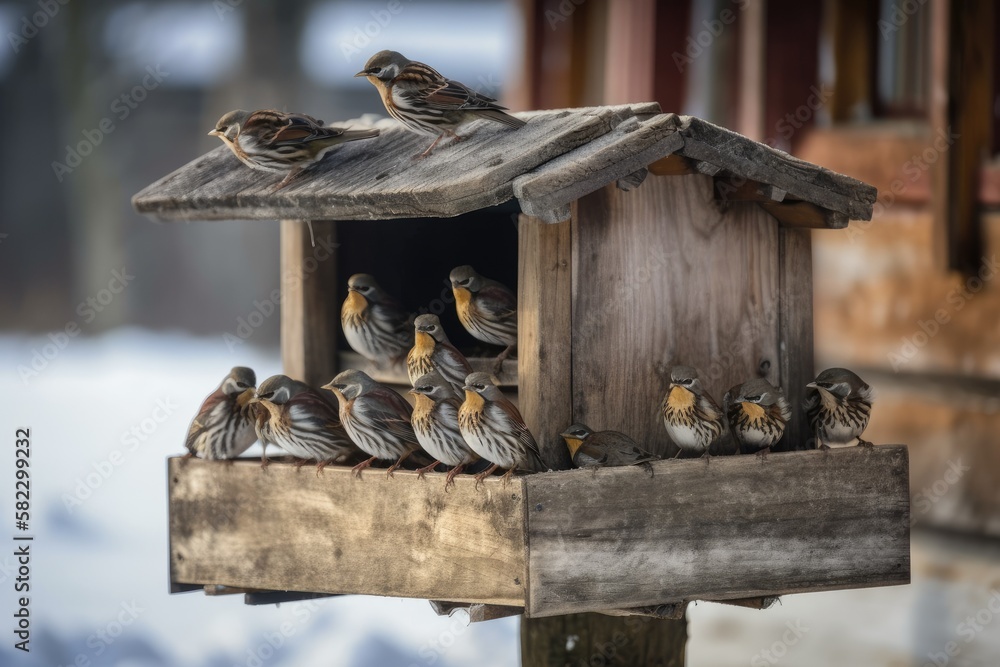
[297, 418]
[486, 308]
[376, 418]
[426, 102]
[838, 407]
[223, 427]
[375, 325]
[758, 413]
[435, 422]
[432, 351]
[494, 429]
[281, 142]
[603, 448]
[691, 416]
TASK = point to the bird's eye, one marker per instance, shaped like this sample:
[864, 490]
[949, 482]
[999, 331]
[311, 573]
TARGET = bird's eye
[242, 385]
[687, 382]
[579, 433]
[432, 328]
[363, 288]
[464, 283]
[425, 389]
[753, 399]
[269, 394]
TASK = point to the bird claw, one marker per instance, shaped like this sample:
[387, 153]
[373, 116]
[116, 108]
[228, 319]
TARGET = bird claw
[264, 462]
[762, 453]
[825, 448]
[865, 443]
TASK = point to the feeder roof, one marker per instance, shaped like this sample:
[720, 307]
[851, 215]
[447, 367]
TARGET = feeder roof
[558, 157]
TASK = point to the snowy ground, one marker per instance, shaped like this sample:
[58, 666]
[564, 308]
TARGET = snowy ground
[105, 413]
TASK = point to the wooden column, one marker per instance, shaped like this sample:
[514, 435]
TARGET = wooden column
[795, 329]
[961, 125]
[543, 329]
[595, 639]
[310, 307]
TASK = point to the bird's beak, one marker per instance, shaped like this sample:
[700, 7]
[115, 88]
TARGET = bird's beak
[468, 388]
[328, 386]
[215, 133]
[363, 72]
[412, 391]
[253, 400]
[813, 385]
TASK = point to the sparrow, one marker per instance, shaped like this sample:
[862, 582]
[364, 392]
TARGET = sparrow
[758, 413]
[603, 448]
[691, 416]
[375, 325]
[435, 422]
[224, 425]
[487, 310]
[838, 405]
[300, 420]
[495, 430]
[426, 102]
[376, 418]
[432, 351]
[280, 142]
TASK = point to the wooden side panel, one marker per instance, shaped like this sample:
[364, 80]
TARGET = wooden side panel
[663, 277]
[310, 310]
[723, 528]
[543, 332]
[291, 529]
[795, 329]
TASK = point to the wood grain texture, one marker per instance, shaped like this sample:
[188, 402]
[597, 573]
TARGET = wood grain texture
[556, 158]
[596, 639]
[287, 529]
[310, 318]
[795, 330]
[728, 527]
[544, 330]
[377, 179]
[663, 277]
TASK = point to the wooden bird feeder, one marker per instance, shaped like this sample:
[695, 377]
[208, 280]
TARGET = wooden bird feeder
[637, 240]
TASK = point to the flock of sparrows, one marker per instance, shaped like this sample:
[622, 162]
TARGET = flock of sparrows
[412, 92]
[460, 417]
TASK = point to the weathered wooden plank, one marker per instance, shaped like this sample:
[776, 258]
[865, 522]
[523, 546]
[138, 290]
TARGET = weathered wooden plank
[290, 529]
[257, 598]
[543, 334]
[310, 313]
[730, 188]
[477, 612]
[749, 159]
[377, 179]
[805, 215]
[728, 527]
[670, 279]
[627, 148]
[795, 330]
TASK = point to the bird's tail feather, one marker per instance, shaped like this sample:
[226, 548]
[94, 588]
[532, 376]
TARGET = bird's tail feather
[501, 117]
[354, 135]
